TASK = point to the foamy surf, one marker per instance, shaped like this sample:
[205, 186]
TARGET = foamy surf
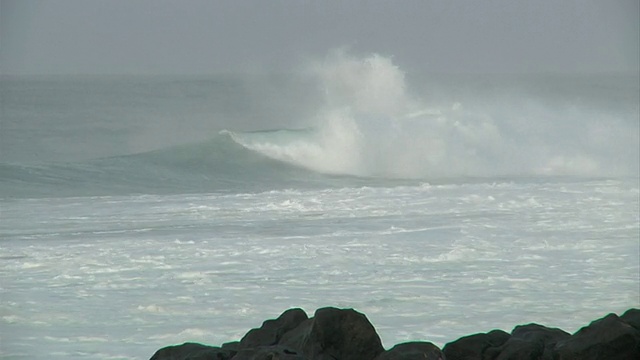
[373, 125]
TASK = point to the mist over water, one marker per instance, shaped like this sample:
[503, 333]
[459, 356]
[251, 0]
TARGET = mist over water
[372, 123]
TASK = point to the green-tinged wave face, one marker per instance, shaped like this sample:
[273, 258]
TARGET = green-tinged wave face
[219, 164]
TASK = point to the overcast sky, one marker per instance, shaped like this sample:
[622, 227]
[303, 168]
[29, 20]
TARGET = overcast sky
[210, 36]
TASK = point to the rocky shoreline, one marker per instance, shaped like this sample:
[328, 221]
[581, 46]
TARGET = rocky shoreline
[345, 334]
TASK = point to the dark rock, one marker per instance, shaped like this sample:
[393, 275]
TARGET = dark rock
[297, 337]
[274, 352]
[606, 338]
[538, 333]
[529, 342]
[516, 349]
[233, 346]
[331, 334]
[632, 317]
[192, 351]
[345, 334]
[474, 347]
[271, 331]
[412, 351]
[336, 334]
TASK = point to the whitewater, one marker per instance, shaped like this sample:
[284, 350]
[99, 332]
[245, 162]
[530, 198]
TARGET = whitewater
[146, 211]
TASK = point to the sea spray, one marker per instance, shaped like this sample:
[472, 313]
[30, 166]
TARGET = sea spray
[372, 124]
[332, 148]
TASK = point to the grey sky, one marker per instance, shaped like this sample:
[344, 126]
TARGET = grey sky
[204, 37]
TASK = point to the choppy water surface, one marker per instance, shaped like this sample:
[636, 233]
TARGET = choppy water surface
[120, 276]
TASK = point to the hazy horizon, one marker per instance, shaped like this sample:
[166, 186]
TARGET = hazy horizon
[214, 37]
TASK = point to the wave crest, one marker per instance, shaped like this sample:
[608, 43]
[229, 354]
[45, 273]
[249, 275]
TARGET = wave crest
[372, 125]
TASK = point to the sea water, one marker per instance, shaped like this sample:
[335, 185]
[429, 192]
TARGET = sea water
[141, 212]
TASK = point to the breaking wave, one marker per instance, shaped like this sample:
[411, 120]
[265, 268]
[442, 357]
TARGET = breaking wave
[372, 125]
[369, 126]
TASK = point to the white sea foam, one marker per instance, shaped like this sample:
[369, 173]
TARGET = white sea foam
[386, 251]
[372, 124]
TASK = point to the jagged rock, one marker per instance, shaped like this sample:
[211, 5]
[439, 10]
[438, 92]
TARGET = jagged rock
[271, 331]
[233, 346]
[274, 352]
[330, 334]
[632, 317]
[606, 338]
[529, 342]
[474, 347]
[336, 334]
[412, 351]
[345, 334]
[192, 351]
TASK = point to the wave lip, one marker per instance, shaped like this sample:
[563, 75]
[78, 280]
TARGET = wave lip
[334, 148]
[218, 164]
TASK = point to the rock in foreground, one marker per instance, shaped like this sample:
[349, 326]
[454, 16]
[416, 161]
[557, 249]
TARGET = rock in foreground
[345, 334]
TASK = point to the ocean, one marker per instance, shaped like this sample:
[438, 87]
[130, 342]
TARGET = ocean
[142, 211]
